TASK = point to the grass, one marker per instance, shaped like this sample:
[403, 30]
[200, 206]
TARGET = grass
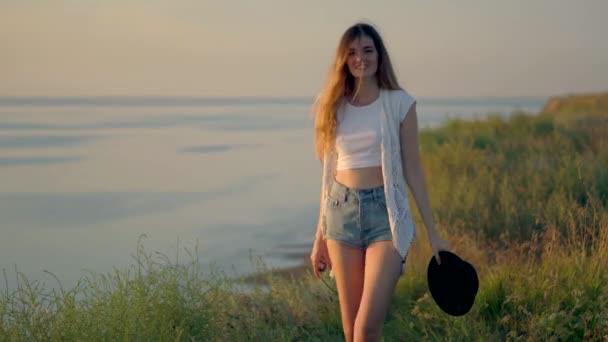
[523, 199]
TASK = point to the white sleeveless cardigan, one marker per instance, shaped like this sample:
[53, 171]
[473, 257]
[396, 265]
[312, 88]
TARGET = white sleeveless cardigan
[395, 104]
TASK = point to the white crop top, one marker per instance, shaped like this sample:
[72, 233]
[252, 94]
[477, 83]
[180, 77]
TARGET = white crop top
[358, 136]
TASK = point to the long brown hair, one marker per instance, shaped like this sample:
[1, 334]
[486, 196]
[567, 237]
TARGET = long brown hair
[341, 83]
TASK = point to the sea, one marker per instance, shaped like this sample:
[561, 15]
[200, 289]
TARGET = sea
[86, 182]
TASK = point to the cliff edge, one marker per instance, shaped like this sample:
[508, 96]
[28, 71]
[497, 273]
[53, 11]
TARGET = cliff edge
[596, 104]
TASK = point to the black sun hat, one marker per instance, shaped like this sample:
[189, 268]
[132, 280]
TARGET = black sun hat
[453, 284]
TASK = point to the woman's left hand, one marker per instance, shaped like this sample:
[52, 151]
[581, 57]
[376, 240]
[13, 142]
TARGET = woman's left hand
[438, 244]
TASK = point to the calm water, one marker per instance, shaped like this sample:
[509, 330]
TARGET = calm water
[83, 178]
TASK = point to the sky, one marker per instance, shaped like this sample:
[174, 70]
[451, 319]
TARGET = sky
[285, 48]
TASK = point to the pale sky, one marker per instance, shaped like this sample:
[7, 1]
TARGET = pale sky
[285, 48]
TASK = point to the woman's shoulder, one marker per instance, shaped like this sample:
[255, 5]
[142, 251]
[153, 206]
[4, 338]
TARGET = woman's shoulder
[402, 97]
[401, 101]
[400, 94]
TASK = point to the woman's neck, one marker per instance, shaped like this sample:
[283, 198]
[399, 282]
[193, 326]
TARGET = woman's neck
[366, 94]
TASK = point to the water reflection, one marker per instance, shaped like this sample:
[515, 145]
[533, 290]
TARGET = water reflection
[236, 120]
[68, 210]
[216, 148]
[37, 141]
[261, 125]
[20, 161]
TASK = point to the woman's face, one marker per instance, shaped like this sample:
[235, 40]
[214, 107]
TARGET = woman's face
[362, 57]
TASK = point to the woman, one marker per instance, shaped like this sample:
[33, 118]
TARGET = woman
[366, 136]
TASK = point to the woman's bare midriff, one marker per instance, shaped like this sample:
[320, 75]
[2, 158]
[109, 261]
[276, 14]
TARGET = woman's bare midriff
[362, 178]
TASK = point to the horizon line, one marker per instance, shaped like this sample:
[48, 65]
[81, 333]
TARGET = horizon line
[161, 96]
[167, 100]
[149, 100]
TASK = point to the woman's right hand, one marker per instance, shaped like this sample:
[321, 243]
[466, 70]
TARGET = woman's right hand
[320, 257]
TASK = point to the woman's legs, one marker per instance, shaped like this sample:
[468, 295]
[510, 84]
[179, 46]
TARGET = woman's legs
[348, 264]
[382, 270]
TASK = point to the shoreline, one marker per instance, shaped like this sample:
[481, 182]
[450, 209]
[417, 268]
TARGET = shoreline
[293, 272]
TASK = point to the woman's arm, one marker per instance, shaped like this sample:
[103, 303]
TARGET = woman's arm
[319, 257]
[414, 176]
[319, 233]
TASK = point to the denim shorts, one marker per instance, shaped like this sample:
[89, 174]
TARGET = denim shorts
[356, 217]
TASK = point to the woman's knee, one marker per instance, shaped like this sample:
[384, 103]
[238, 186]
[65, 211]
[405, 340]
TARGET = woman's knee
[366, 330]
[349, 333]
